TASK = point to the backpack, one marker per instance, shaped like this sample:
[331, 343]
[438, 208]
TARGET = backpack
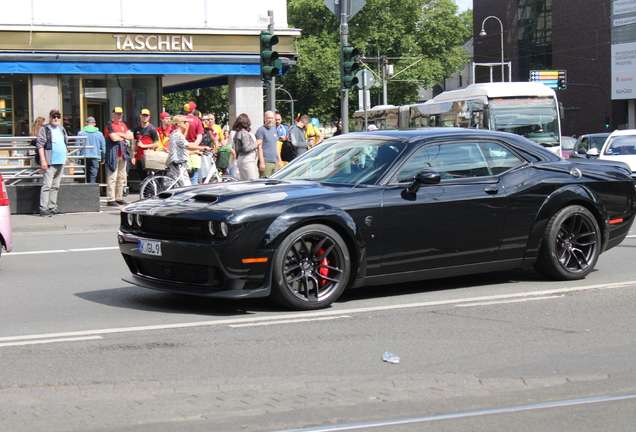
[47, 145]
[223, 157]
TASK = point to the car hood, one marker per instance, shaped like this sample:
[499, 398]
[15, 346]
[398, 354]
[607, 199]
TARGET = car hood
[233, 197]
[628, 159]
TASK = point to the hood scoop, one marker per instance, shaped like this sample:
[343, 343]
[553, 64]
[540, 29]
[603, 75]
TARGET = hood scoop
[165, 195]
[205, 198]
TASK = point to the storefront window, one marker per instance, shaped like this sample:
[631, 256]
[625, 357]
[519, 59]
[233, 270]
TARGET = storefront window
[14, 105]
[71, 108]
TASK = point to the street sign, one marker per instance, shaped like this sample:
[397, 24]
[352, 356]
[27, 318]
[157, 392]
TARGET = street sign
[555, 79]
[365, 79]
[354, 6]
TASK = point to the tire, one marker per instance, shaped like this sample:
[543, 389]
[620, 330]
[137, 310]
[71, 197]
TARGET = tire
[311, 268]
[571, 245]
[154, 185]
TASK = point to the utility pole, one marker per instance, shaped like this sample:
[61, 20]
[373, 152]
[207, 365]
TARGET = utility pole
[271, 99]
[344, 41]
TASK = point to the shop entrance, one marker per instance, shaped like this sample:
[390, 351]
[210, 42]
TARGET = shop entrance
[98, 108]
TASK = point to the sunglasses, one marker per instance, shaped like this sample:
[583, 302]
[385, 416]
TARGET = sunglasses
[206, 119]
[57, 117]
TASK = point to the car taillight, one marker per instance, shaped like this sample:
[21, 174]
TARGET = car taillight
[4, 197]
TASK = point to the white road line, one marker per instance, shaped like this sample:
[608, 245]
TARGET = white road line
[461, 415]
[317, 314]
[288, 321]
[508, 301]
[45, 341]
[59, 251]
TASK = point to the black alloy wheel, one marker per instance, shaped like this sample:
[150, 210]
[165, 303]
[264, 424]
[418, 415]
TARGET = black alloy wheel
[311, 268]
[571, 245]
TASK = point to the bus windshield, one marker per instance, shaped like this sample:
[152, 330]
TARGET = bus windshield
[532, 117]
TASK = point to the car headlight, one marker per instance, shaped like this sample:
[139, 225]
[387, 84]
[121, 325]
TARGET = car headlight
[211, 228]
[224, 229]
[130, 218]
[138, 220]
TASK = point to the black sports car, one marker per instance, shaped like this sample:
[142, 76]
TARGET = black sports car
[378, 208]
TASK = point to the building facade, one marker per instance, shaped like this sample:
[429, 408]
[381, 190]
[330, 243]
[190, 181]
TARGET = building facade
[557, 35]
[84, 57]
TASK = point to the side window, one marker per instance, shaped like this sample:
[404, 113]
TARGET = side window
[452, 160]
[499, 158]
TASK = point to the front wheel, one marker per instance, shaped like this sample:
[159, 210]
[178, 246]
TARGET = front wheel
[311, 268]
[154, 185]
[571, 245]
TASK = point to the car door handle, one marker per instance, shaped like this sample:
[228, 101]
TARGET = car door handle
[491, 190]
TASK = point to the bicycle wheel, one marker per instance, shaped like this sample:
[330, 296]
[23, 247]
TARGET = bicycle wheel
[154, 185]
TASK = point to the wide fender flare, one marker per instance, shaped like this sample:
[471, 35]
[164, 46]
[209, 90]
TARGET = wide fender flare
[334, 217]
[562, 197]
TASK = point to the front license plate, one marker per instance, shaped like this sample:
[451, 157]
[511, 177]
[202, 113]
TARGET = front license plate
[149, 247]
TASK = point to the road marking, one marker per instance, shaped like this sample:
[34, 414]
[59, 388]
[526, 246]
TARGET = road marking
[37, 342]
[60, 251]
[466, 414]
[317, 314]
[508, 301]
[292, 321]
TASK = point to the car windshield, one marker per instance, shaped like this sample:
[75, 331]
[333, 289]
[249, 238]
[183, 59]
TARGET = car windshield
[622, 145]
[567, 143]
[356, 161]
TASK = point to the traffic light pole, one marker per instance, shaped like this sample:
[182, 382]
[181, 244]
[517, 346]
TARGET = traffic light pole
[271, 99]
[344, 41]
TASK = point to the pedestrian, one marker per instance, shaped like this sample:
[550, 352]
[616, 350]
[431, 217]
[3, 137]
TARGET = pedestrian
[117, 135]
[194, 136]
[146, 138]
[339, 128]
[311, 132]
[51, 145]
[286, 150]
[209, 139]
[164, 130]
[217, 131]
[95, 151]
[266, 138]
[37, 124]
[178, 157]
[297, 136]
[246, 148]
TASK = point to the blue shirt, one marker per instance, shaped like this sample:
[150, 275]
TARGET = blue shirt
[282, 130]
[58, 155]
[269, 137]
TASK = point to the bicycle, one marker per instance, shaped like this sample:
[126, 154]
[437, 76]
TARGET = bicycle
[158, 181]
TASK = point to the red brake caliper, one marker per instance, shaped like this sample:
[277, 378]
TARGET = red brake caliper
[324, 271]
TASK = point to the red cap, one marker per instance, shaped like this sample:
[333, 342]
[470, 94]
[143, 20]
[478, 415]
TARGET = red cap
[163, 115]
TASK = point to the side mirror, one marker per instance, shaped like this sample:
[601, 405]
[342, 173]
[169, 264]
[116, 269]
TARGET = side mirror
[593, 152]
[423, 177]
[582, 151]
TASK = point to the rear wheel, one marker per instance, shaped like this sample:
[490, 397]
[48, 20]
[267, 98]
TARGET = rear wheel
[571, 245]
[154, 185]
[311, 268]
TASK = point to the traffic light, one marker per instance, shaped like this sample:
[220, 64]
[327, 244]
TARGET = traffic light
[560, 84]
[269, 57]
[349, 66]
[607, 123]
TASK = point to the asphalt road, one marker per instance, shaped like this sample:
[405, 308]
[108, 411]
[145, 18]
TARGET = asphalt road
[81, 350]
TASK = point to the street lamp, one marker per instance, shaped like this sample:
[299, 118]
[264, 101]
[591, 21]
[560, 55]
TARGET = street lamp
[483, 33]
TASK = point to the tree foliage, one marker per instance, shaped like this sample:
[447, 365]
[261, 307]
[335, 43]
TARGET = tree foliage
[209, 100]
[421, 38]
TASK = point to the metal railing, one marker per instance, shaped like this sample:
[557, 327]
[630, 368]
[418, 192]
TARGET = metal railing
[17, 160]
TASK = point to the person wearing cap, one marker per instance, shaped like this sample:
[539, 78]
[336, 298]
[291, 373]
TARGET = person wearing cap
[95, 151]
[194, 135]
[51, 145]
[164, 130]
[146, 138]
[117, 134]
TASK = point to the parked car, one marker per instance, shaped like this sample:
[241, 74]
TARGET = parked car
[567, 144]
[6, 236]
[378, 208]
[621, 146]
[588, 146]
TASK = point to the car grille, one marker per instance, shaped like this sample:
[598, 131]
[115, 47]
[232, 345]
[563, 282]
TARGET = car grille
[176, 272]
[174, 227]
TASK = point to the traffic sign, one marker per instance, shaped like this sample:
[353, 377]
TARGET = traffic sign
[555, 79]
[354, 7]
[365, 78]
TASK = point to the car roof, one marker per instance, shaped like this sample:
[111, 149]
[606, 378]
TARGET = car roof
[600, 134]
[625, 132]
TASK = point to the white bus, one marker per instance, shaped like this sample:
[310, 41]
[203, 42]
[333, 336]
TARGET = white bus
[524, 108]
